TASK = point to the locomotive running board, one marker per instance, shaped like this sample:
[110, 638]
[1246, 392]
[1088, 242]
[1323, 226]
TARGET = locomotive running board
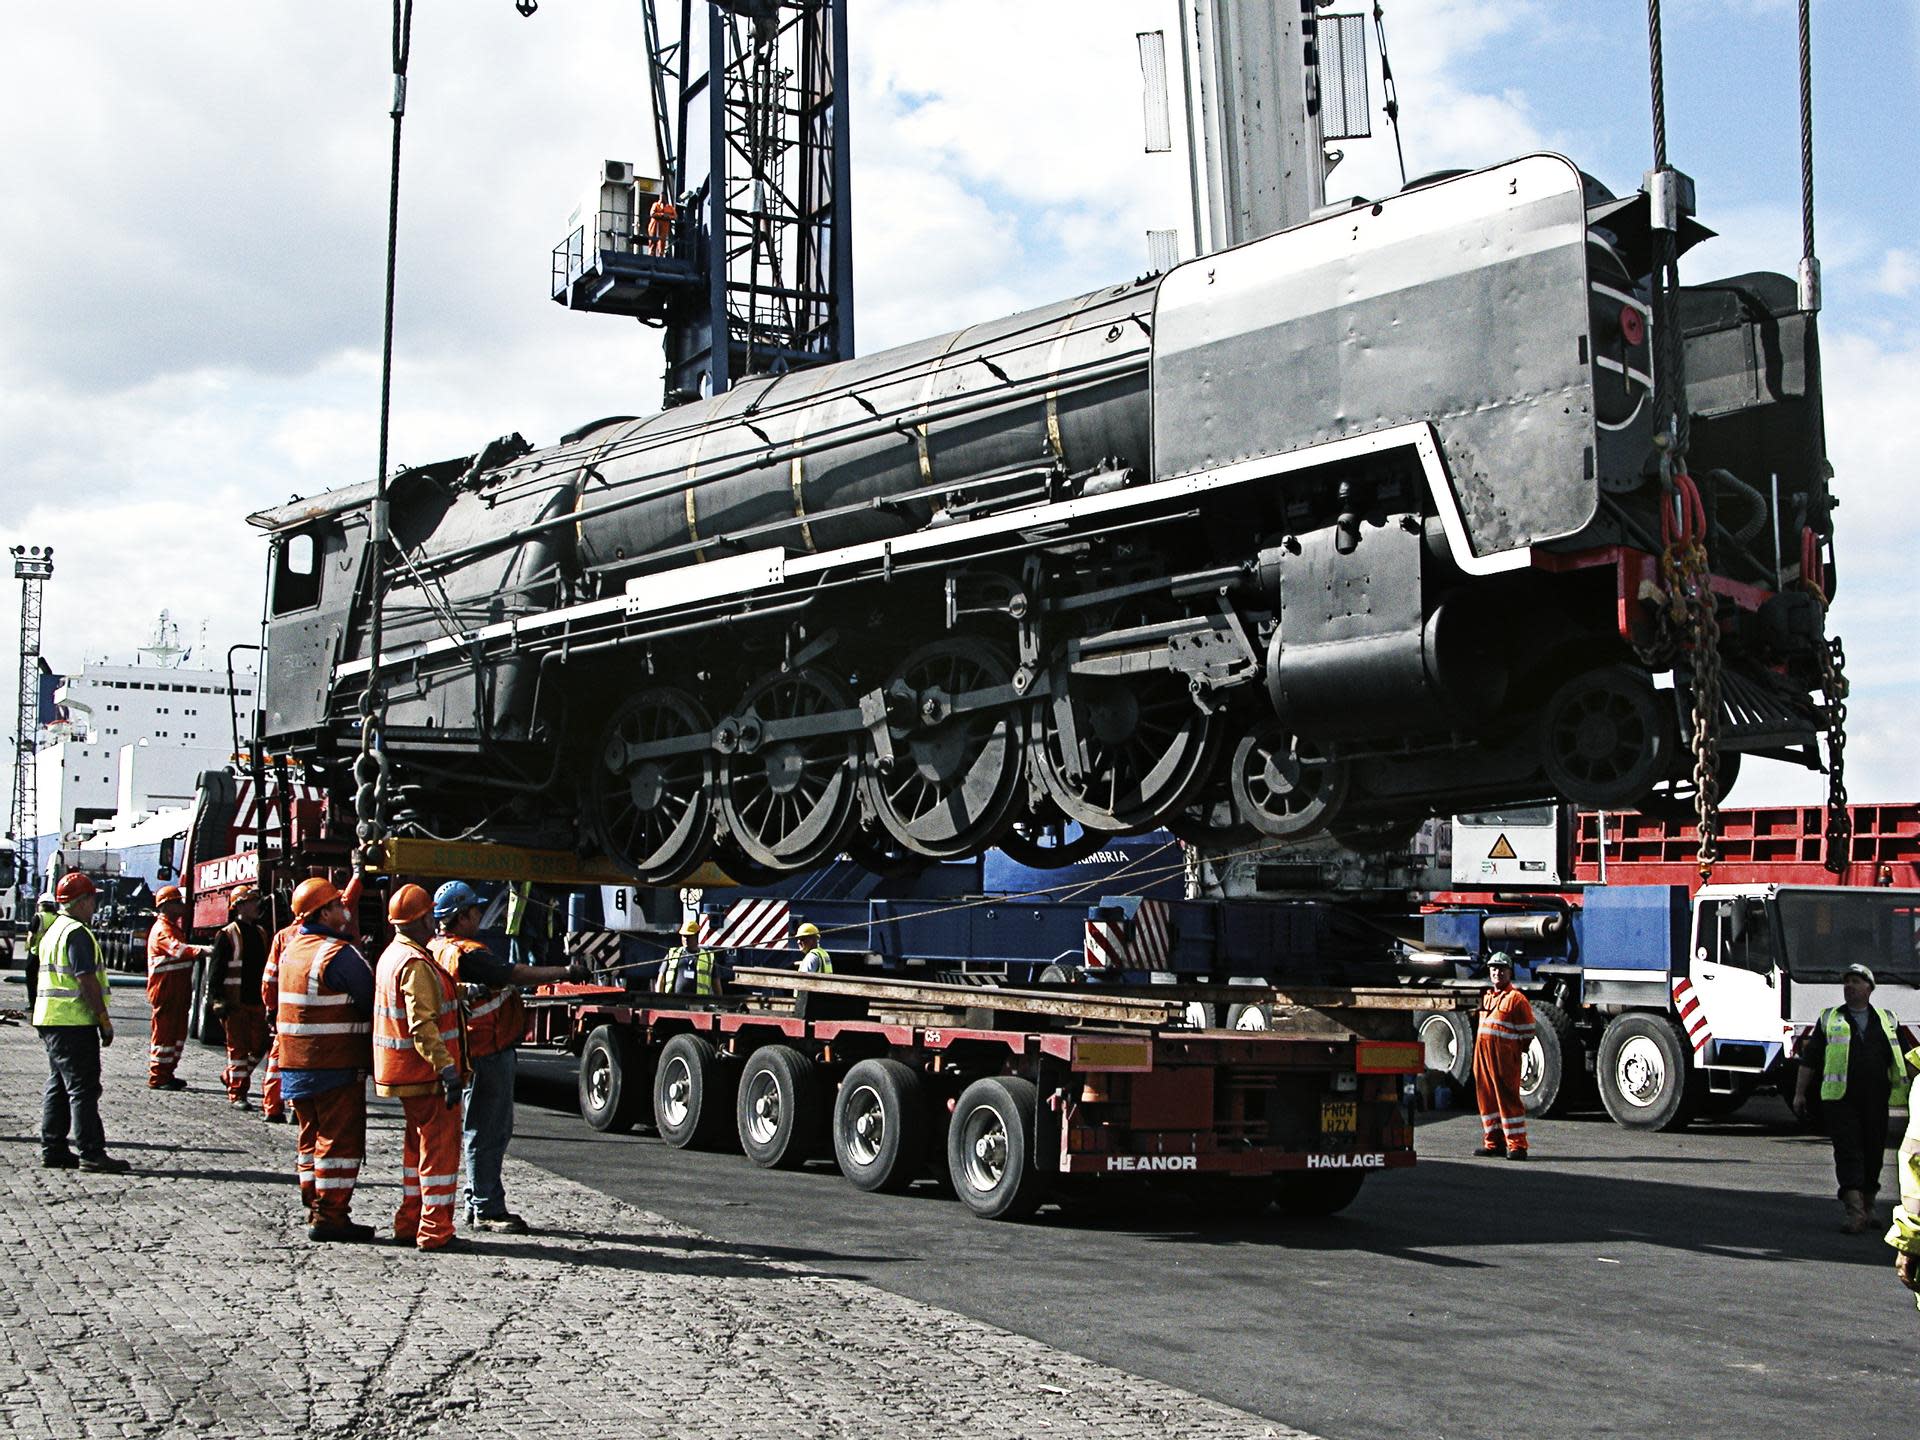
[760, 571]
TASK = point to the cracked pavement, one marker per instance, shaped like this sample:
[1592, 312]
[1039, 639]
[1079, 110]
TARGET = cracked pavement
[185, 1298]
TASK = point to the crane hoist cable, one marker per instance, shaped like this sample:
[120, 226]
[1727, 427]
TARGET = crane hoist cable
[369, 768]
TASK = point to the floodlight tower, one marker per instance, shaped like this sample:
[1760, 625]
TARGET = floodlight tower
[32, 567]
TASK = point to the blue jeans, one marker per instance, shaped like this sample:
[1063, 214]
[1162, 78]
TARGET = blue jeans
[485, 1130]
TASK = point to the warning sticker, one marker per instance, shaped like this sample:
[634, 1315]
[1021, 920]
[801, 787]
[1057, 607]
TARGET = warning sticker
[1502, 850]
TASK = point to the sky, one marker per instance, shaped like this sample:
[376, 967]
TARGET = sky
[192, 244]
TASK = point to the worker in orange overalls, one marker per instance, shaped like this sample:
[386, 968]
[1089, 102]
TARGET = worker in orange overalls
[170, 957]
[660, 222]
[234, 982]
[324, 1028]
[1499, 1047]
[417, 1048]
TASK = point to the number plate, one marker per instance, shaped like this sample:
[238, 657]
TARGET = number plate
[1338, 1117]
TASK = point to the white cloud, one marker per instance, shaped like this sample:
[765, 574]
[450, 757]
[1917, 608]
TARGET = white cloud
[1899, 273]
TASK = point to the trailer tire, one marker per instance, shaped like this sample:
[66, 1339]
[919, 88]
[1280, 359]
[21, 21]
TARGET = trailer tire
[688, 1107]
[1447, 1036]
[880, 1126]
[1250, 1017]
[1311, 1196]
[778, 1108]
[1645, 1072]
[990, 1148]
[610, 1083]
[1553, 1060]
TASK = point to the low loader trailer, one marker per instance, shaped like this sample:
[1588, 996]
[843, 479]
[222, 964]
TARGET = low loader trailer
[1014, 1097]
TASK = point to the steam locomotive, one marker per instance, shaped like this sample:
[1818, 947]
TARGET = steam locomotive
[1356, 523]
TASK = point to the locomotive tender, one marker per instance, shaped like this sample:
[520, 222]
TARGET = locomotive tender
[1355, 523]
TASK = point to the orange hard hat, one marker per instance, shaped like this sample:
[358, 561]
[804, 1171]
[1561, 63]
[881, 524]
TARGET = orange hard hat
[312, 895]
[409, 902]
[72, 886]
[170, 895]
[241, 894]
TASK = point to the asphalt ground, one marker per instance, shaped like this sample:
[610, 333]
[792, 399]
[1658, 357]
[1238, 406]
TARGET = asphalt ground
[1617, 1284]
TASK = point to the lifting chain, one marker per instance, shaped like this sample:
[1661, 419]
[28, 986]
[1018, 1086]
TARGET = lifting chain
[1834, 685]
[1683, 565]
[1833, 680]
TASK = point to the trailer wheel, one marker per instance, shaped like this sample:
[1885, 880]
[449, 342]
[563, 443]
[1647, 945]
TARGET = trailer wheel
[1552, 1061]
[610, 1081]
[1447, 1036]
[778, 1108]
[880, 1126]
[1250, 1017]
[688, 1108]
[1645, 1071]
[990, 1148]
[1306, 1196]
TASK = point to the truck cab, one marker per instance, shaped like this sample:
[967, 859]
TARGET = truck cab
[1767, 959]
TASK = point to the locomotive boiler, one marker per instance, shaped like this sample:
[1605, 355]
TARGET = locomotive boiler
[1353, 524]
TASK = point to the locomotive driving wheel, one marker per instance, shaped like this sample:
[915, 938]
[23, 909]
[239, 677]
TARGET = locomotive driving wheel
[1119, 753]
[1285, 787]
[648, 787]
[787, 773]
[954, 778]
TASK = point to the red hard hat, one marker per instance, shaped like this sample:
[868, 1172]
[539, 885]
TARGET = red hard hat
[72, 886]
[170, 895]
[409, 902]
[312, 895]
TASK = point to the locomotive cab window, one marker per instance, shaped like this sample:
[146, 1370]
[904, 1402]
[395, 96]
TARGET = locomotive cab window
[296, 573]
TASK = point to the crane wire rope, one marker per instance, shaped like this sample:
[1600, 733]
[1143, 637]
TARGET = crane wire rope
[370, 766]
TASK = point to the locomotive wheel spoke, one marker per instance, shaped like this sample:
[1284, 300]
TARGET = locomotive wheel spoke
[1144, 748]
[789, 804]
[652, 816]
[956, 779]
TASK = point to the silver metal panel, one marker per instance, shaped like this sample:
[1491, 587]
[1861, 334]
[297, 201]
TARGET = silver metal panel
[1463, 303]
[1344, 114]
[1153, 98]
[1261, 137]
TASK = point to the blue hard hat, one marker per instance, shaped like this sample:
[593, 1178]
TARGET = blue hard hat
[453, 897]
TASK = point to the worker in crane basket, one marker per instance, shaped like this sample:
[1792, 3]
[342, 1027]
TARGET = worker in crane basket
[233, 980]
[815, 960]
[170, 957]
[496, 1024]
[1904, 1234]
[1855, 1050]
[70, 1012]
[324, 1030]
[660, 222]
[417, 1053]
[689, 968]
[1499, 1048]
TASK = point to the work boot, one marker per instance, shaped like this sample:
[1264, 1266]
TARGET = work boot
[103, 1165]
[347, 1231]
[275, 1117]
[453, 1243]
[58, 1160]
[1858, 1217]
[240, 1102]
[1516, 1154]
[504, 1224]
[1491, 1152]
